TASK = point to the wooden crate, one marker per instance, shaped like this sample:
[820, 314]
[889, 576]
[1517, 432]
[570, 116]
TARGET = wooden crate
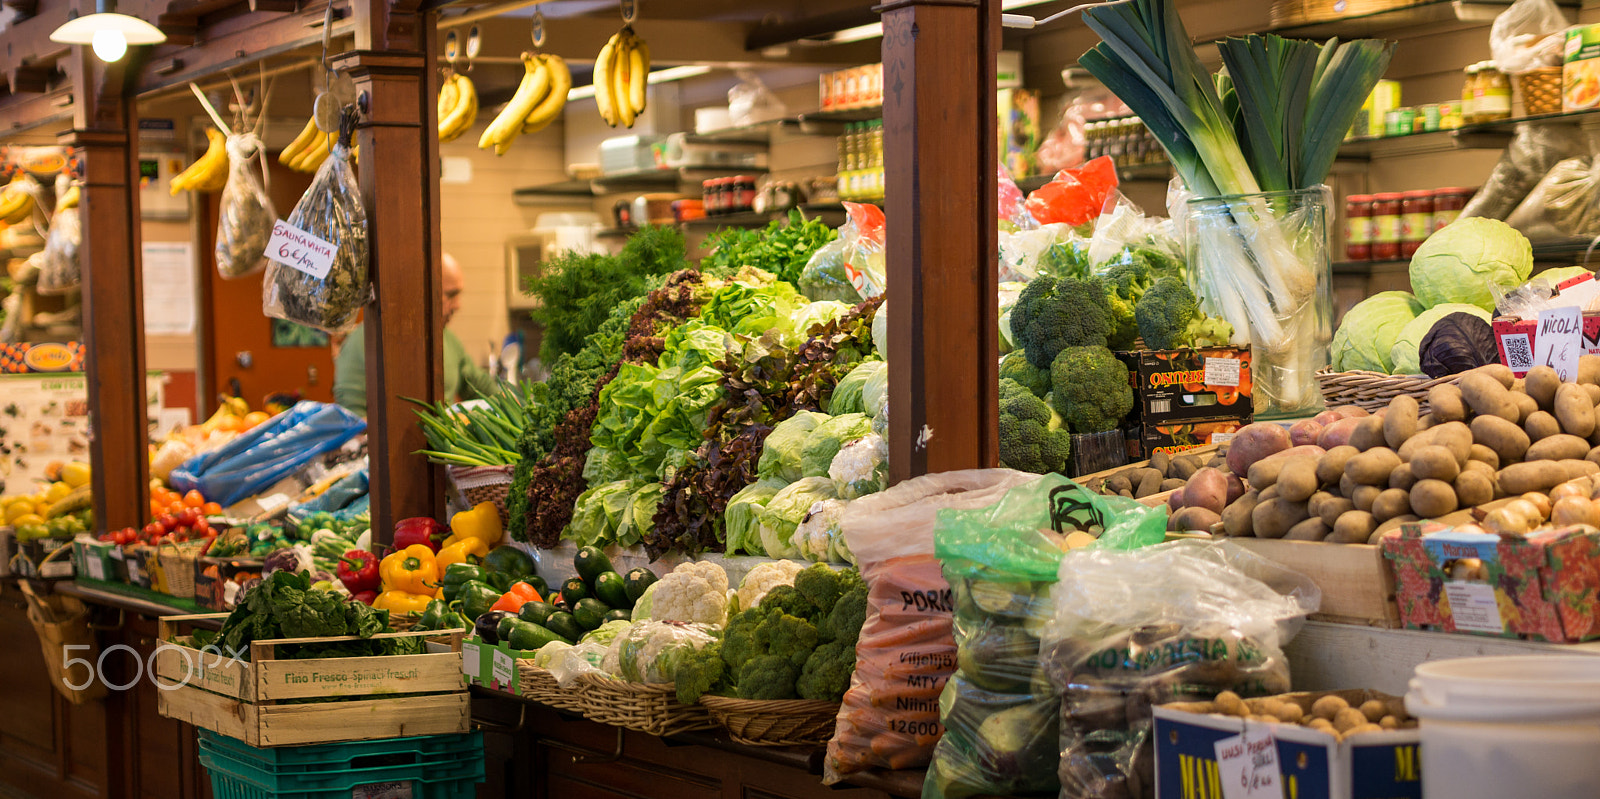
[272, 702]
[1357, 584]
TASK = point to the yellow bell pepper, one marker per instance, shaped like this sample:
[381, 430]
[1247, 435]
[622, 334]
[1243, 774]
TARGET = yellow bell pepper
[412, 570]
[482, 522]
[402, 602]
[459, 551]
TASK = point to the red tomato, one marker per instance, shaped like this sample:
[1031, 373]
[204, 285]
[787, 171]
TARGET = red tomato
[153, 529]
[188, 516]
[201, 526]
[167, 522]
[176, 507]
[181, 532]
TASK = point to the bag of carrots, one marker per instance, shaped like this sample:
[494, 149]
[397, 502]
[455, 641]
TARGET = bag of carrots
[889, 718]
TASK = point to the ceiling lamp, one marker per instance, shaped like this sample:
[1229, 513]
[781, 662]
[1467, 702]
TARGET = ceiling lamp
[108, 32]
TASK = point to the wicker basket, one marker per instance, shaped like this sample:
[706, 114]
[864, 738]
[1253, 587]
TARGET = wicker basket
[476, 484]
[1373, 390]
[177, 566]
[539, 685]
[783, 722]
[652, 709]
[1541, 91]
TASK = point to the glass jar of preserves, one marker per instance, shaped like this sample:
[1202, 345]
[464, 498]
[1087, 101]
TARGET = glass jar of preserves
[1386, 226]
[1494, 103]
[1358, 227]
[1447, 205]
[1469, 95]
[1416, 220]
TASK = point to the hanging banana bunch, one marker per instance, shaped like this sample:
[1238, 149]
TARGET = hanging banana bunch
[539, 99]
[308, 150]
[18, 199]
[619, 78]
[209, 172]
[458, 106]
[70, 198]
[555, 100]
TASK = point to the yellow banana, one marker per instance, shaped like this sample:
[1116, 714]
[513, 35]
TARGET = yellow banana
[602, 82]
[449, 95]
[507, 126]
[70, 198]
[297, 147]
[463, 114]
[17, 213]
[620, 75]
[314, 155]
[550, 107]
[638, 72]
[209, 172]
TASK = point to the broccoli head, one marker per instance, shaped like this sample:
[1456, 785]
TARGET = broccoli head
[787, 598]
[843, 623]
[826, 674]
[822, 586]
[1015, 366]
[700, 671]
[787, 636]
[1152, 259]
[1124, 327]
[739, 641]
[768, 677]
[1027, 441]
[1129, 278]
[1054, 313]
[1091, 390]
[1169, 318]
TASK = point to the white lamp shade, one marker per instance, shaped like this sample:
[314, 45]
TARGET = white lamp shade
[83, 29]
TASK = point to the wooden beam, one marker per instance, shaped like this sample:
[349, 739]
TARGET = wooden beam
[940, 161]
[278, 6]
[20, 113]
[105, 131]
[672, 42]
[236, 42]
[30, 78]
[404, 326]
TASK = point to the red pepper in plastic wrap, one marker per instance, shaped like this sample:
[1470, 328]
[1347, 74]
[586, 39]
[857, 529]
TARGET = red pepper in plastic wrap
[1077, 195]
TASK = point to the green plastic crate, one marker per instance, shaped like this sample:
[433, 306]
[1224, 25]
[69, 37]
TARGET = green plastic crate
[425, 767]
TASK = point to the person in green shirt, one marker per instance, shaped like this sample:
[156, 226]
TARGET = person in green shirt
[462, 378]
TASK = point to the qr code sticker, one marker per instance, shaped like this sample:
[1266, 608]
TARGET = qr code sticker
[1519, 353]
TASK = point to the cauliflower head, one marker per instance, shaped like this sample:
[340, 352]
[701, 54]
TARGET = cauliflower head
[763, 578]
[692, 592]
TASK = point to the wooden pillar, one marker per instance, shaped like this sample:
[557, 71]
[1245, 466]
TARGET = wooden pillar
[105, 134]
[940, 159]
[399, 174]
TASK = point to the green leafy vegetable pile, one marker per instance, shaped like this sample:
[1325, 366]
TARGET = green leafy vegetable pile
[782, 248]
[578, 292]
[285, 606]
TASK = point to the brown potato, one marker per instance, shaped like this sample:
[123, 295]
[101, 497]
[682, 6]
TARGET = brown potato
[1327, 707]
[1236, 517]
[1589, 369]
[1541, 383]
[1520, 478]
[1499, 371]
[1488, 397]
[1541, 425]
[1454, 436]
[1265, 494]
[1481, 467]
[1265, 473]
[1330, 467]
[1594, 455]
[1118, 483]
[1161, 461]
[1193, 519]
[1354, 527]
[1401, 421]
[1364, 497]
[1337, 434]
[1431, 499]
[1576, 468]
[1208, 489]
[1525, 406]
[1347, 486]
[1474, 487]
[1331, 509]
[1593, 391]
[1373, 466]
[1183, 468]
[1254, 442]
[1402, 477]
[1171, 484]
[1353, 411]
[1304, 431]
[1445, 403]
[1558, 448]
[1434, 462]
[1486, 455]
[1149, 482]
[1507, 440]
[1368, 434]
[1390, 502]
[1311, 529]
[1574, 410]
[1297, 481]
[1272, 518]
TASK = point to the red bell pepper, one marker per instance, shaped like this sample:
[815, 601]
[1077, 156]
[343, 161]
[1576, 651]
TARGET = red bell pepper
[419, 530]
[526, 591]
[365, 597]
[358, 570]
[511, 601]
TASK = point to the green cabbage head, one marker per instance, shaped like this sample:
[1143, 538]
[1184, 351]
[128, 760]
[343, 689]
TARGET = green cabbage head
[1369, 329]
[1407, 360]
[1460, 260]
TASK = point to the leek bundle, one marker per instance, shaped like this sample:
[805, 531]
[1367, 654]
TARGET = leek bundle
[1271, 121]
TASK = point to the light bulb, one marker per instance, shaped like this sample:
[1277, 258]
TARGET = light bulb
[109, 45]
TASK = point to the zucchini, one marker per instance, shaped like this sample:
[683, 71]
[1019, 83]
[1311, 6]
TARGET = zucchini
[573, 590]
[528, 636]
[536, 612]
[636, 582]
[610, 589]
[591, 563]
[561, 623]
[590, 613]
[620, 614]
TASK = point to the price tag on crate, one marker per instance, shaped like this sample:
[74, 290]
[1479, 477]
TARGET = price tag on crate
[504, 668]
[300, 250]
[1248, 766]
[1559, 341]
[1222, 371]
[471, 660]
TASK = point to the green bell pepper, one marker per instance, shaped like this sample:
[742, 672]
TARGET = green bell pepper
[434, 617]
[500, 581]
[508, 560]
[457, 575]
[476, 598]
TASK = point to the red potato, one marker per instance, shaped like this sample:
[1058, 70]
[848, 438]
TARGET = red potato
[1338, 433]
[1327, 417]
[1353, 411]
[1175, 500]
[1254, 442]
[1236, 488]
[1304, 431]
[1207, 488]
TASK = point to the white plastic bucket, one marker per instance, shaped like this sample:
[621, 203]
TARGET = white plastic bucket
[1514, 726]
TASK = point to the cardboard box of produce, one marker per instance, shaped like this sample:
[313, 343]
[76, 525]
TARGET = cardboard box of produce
[1172, 386]
[1516, 336]
[1172, 438]
[1311, 763]
[493, 666]
[1544, 586]
[213, 576]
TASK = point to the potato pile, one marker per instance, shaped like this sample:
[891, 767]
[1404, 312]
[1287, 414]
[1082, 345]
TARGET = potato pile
[1349, 477]
[1165, 472]
[1328, 712]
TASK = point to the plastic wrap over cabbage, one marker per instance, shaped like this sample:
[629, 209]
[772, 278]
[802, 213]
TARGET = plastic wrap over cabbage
[649, 652]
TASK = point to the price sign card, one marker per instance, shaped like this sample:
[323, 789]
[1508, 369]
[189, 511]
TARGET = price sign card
[1559, 341]
[1248, 766]
[300, 250]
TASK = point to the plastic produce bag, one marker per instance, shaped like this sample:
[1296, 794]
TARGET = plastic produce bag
[1020, 252]
[817, 536]
[1524, 37]
[861, 467]
[267, 453]
[750, 101]
[244, 223]
[1014, 214]
[999, 712]
[1564, 204]
[890, 715]
[648, 652]
[1181, 621]
[850, 268]
[60, 271]
[1532, 152]
[330, 210]
[1077, 195]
